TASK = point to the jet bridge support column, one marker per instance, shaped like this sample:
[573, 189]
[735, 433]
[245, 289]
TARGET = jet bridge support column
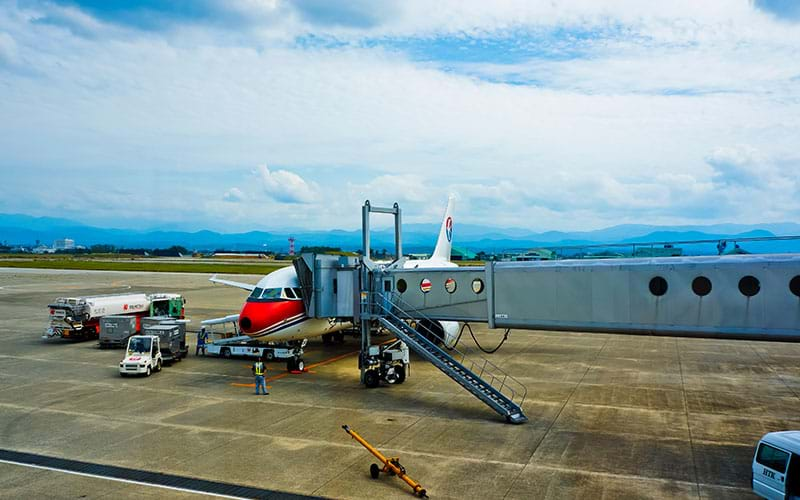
[367, 313]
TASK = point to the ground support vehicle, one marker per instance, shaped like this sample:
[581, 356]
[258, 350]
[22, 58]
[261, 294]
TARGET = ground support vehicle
[116, 329]
[389, 363]
[142, 357]
[244, 346]
[172, 338]
[391, 465]
[776, 466]
[79, 317]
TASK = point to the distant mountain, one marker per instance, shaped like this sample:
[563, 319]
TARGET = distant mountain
[19, 229]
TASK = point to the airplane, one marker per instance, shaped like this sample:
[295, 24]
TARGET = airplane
[275, 312]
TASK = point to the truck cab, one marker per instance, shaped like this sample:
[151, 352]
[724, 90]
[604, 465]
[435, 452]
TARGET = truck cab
[776, 466]
[142, 357]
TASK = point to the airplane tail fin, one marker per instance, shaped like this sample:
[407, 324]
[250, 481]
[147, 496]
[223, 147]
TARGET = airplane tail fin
[445, 241]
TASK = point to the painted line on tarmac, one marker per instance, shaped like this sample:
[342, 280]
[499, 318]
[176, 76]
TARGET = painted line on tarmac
[140, 477]
[308, 369]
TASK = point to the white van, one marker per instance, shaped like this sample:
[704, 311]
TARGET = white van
[776, 466]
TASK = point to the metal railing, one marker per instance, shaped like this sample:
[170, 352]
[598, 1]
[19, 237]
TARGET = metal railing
[487, 371]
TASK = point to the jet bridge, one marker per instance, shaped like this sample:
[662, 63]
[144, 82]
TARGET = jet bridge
[742, 296]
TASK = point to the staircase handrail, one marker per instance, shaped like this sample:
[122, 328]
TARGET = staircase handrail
[496, 373]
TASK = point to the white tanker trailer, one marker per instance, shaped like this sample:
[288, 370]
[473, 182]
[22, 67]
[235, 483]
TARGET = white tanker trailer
[79, 317]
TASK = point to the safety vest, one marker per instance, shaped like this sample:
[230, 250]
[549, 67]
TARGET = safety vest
[259, 368]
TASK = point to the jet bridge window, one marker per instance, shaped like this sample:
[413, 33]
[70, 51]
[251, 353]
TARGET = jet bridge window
[658, 286]
[749, 286]
[794, 285]
[402, 286]
[701, 286]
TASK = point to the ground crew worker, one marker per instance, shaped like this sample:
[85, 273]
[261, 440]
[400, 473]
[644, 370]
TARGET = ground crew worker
[202, 336]
[258, 370]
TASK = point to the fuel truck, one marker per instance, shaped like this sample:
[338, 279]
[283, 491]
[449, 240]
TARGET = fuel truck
[79, 318]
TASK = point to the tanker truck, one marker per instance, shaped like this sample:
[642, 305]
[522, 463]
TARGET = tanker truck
[79, 317]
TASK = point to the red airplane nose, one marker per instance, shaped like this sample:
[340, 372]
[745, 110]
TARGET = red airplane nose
[257, 317]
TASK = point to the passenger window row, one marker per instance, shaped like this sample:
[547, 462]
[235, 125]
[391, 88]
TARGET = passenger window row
[749, 286]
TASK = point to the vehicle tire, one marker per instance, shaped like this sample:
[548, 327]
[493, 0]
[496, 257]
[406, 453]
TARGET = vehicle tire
[300, 365]
[158, 366]
[290, 365]
[372, 379]
[374, 471]
[148, 372]
[401, 374]
[225, 352]
[270, 355]
[338, 337]
[123, 374]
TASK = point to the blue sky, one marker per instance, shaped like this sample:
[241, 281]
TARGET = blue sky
[259, 114]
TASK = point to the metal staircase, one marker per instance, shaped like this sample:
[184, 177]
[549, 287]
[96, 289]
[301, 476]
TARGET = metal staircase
[482, 378]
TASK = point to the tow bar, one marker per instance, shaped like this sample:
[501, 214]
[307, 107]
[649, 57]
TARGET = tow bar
[391, 466]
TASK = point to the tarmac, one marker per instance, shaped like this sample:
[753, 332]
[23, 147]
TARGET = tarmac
[611, 416]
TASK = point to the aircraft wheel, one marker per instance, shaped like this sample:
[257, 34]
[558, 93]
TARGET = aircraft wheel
[300, 365]
[372, 379]
[225, 352]
[374, 471]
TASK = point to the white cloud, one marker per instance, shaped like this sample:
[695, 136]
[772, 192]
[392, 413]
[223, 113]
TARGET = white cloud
[8, 49]
[286, 186]
[591, 142]
[234, 195]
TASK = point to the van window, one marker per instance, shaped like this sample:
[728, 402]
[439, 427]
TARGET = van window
[773, 458]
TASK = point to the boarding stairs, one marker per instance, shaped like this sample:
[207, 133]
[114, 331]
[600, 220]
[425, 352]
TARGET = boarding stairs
[487, 382]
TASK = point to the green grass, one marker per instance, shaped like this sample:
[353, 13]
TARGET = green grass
[142, 265]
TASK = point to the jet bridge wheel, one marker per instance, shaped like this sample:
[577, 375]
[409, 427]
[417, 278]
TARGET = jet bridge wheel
[372, 378]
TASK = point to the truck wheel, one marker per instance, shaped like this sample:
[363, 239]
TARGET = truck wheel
[158, 366]
[148, 372]
[225, 353]
[371, 379]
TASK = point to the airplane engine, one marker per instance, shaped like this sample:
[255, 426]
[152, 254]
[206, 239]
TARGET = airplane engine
[439, 332]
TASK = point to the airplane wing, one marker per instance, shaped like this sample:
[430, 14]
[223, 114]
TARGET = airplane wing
[232, 318]
[245, 286]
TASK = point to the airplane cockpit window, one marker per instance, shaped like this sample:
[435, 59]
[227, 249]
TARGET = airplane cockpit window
[289, 293]
[256, 293]
[298, 292]
[271, 293]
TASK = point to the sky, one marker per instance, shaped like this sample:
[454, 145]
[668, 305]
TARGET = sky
[239, 115]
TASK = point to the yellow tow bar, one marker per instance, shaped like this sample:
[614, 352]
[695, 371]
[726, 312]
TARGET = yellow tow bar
[390, 465]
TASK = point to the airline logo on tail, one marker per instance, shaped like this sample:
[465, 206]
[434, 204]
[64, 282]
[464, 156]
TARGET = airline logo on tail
[449, 229]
